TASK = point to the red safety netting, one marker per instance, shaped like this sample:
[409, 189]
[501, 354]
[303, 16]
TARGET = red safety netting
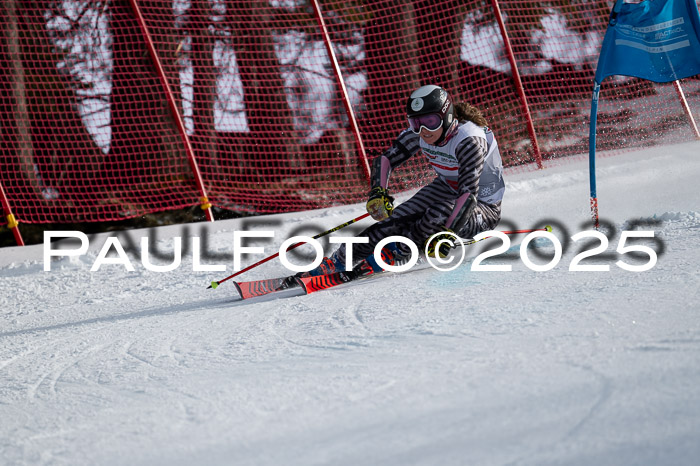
[88, 133]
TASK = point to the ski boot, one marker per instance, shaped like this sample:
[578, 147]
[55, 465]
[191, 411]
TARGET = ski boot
[328, 265]
[391, 255]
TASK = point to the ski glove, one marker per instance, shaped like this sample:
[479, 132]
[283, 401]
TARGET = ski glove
[380, 204]
[433, 246]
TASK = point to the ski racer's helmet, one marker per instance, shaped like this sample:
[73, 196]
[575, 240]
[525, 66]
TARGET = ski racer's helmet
[430, 100]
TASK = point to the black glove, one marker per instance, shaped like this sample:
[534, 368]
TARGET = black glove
[380, 204]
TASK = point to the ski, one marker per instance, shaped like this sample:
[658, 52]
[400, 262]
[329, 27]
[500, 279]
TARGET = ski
[361, 271]
[255, 288]
[311, 284]
[323, 282]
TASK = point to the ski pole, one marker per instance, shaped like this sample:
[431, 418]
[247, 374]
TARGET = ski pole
[327, 232]
[508, 232]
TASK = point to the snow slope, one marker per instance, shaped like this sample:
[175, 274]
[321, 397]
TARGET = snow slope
[466, 367]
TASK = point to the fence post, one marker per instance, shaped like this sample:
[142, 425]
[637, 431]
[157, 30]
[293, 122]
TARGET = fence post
[12, 223]
[686, 108]
[204, 200]
[341, 85]
[518, 83]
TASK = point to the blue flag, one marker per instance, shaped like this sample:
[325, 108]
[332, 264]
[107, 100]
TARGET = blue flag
[657, 40]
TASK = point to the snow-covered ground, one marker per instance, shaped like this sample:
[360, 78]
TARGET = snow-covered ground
[464, 367]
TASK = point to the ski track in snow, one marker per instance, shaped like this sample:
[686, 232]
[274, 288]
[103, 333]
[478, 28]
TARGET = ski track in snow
[464, 367]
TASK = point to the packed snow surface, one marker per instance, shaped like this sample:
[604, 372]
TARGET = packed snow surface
[138, 367]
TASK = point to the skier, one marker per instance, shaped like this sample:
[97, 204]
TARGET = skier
[464, 198]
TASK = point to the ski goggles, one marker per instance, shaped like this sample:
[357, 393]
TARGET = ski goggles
[431, 122]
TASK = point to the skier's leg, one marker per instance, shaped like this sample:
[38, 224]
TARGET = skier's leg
[413, 219]
[484, 217]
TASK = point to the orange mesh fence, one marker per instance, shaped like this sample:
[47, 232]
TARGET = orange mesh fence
[88, 133]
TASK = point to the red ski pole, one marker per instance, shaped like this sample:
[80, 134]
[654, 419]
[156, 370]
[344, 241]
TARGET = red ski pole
[327, 232]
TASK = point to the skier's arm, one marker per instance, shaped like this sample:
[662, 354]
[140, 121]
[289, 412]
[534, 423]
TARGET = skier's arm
[404, 147]
[380, 204]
